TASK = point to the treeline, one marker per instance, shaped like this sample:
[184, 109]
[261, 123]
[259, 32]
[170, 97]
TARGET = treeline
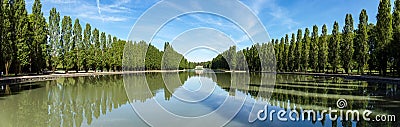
[368, 47]
[29, 44]
[143, 56]
[246, 59]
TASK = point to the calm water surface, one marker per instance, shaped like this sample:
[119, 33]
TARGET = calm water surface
[108, 100]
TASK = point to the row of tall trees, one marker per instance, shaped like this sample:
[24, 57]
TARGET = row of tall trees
[30, 44]
[23, 37]
[70, 50]
[372, 47]
[258, 57]
[367, 47]
[143, 56]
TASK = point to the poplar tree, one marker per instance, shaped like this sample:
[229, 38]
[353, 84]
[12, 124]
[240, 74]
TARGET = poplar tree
[292, 57]
[23, 36]
[396, 35]
[95, 50]
[78, 48]
[103, 43]
[298, 50]
[87, 44]
[114, 49]
[8, 46]
[276, 48]
[383, 35]
[54, 38]
[277, 53]
[66, 44]
[314, 48]
[347, 44]
[306, 50]
[361, 42]
[39, 46]
[334, 48]
[1, 36]
[109, 53]
[323, 49]
[372, 40]
[286, 54]
[281, 54]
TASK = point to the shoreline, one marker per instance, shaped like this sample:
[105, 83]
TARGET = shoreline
[47, 77]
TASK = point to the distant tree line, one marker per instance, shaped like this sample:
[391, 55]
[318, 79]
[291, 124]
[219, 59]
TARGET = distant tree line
[246, 59]
[368, 47]
[29, 44]
[143, 56]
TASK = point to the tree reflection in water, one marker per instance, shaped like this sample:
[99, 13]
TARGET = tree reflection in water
[78, 101]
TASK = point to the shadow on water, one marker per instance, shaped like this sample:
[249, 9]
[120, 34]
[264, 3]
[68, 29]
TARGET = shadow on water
[62, 102]
[7, 90]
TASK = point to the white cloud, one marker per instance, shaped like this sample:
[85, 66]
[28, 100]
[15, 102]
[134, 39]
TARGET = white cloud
[105, 18]
[61, 1]
[97, 10]
[280, 15]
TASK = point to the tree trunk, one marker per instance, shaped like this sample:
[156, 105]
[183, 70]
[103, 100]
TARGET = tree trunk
[7, 66]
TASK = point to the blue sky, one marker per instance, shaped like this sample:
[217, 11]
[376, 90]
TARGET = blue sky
[280, 17]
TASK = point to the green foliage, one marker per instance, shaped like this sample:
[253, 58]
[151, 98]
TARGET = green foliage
[109, 53]
[153, 58]
[219, 62]
[281, 54]
[143, 56]
[8, 43]
[29, 44]
[372, 40]
[87, 45]
[286, 54]
[94, 50]
[118, 53]
[171, 58]
[54, 38]
[74, 61]
[361, 42]
[306, 50]
[347, 43]
[383, 35]
[39, 46]
[298, 50]
[1, 37]
[259, 57]
[334, 47]
[396, 35]
[252, 57]
[65, 48]
[323, 49]
[314, 48]
[22, 37]
[103, 48]
[292, 57]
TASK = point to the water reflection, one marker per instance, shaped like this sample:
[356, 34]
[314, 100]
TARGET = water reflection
[95, 101]
[63, 102]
